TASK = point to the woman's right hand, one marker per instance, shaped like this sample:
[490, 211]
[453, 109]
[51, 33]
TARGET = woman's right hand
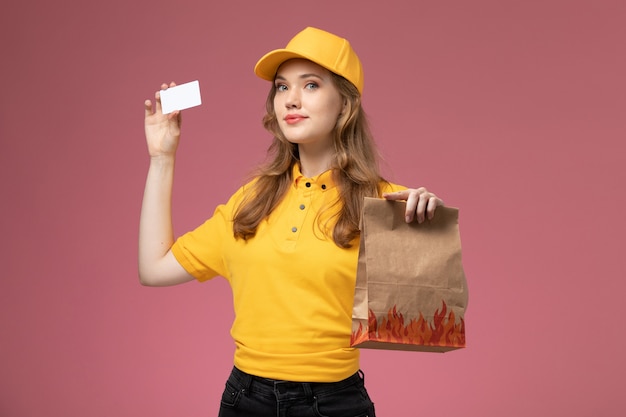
[162, 130]
[157, 264]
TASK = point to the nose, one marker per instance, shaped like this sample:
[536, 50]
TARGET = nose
[292, 101]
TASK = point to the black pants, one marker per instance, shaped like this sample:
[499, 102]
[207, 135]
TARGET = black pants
[251, 396]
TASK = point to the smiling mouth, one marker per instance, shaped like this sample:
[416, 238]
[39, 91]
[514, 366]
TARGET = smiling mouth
[292, 119]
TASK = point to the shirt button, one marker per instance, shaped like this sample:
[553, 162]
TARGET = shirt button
[301, 206]
[323, 186]
[294, 229]
[308, 184]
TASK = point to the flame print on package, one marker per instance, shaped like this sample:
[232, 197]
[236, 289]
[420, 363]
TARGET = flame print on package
[442, 334]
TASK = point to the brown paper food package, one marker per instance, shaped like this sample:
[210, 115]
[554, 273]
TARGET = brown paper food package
[411, 292]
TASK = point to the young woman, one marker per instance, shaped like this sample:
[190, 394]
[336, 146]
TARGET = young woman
[287, 241]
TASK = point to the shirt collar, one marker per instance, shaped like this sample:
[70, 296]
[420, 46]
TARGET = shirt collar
[323, 181]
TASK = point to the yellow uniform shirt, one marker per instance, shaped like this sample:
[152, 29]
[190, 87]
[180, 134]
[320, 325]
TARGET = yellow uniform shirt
[293, 288]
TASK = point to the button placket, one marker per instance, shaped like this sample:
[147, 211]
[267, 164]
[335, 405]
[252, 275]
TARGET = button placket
[303, 202]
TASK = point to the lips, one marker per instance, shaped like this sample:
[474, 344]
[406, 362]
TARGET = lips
[294, 118]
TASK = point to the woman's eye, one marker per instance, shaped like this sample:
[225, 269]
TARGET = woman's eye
[311, 86]
[281, 87]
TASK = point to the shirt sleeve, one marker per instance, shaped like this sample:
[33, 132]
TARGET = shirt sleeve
[201, 251]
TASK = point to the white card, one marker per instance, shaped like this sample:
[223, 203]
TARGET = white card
[181, 97]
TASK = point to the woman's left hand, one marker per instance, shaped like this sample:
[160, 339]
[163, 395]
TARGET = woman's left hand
[420, 203]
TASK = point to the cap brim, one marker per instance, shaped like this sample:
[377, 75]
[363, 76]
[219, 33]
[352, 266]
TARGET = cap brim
[267, 66]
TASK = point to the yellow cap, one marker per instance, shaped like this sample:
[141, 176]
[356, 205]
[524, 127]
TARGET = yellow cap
[325, 49]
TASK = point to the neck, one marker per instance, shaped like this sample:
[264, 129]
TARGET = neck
[314, 160]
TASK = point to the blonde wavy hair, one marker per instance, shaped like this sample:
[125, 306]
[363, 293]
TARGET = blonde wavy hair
[354, 166]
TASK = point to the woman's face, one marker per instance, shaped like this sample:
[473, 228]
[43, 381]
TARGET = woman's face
[307, 102]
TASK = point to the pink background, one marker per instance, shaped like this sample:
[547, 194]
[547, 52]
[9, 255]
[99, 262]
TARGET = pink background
[513, 111]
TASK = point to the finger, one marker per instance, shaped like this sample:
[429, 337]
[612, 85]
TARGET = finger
[177, 114]
[433, 203]
[420, 211]
[157, 100]
[397, 195]
[157, 95]
[411, 206]
[147, 105]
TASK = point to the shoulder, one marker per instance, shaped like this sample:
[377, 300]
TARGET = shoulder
[389, 187]
[243, 193]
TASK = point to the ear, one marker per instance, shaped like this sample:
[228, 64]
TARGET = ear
[344, 107]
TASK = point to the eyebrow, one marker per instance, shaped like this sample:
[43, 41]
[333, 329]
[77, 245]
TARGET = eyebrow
[280, 77]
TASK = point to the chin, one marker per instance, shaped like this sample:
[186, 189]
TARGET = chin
[296, 140]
